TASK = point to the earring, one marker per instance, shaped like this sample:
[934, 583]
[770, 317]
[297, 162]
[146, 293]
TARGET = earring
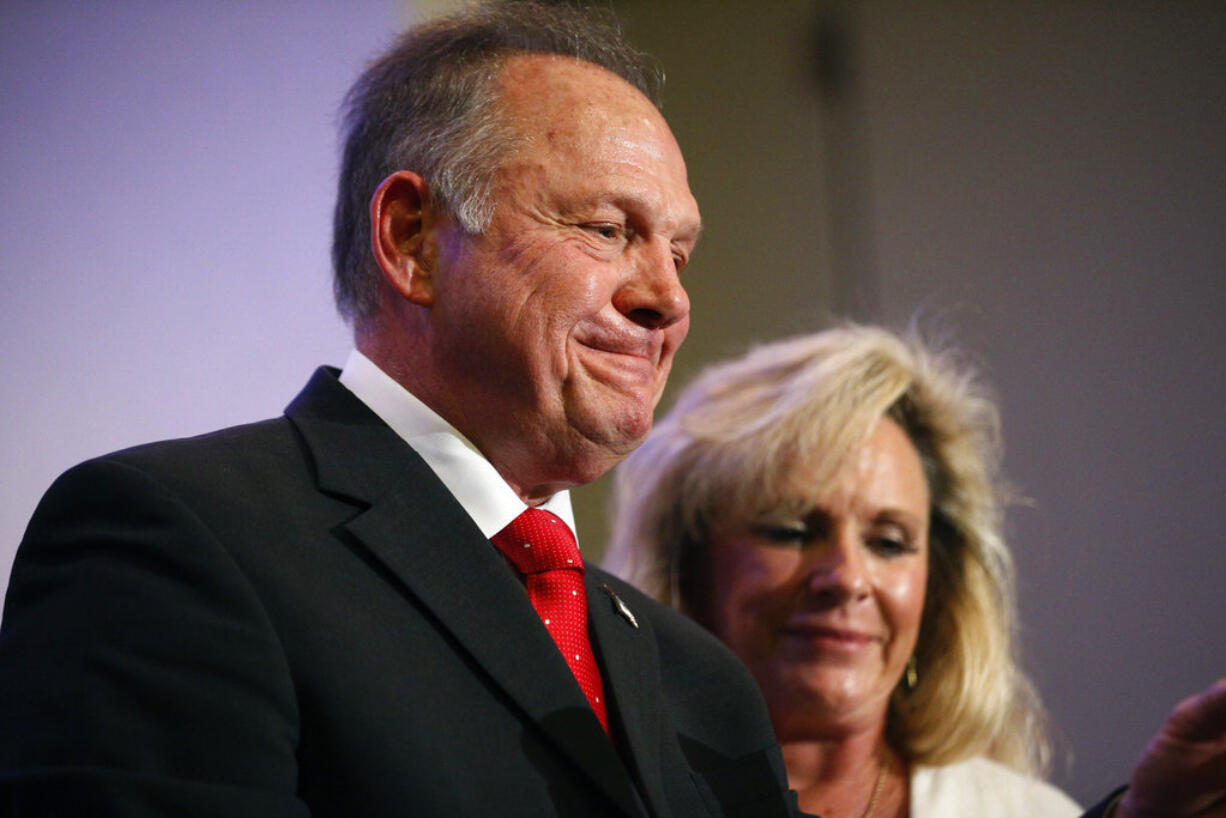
[911, 677]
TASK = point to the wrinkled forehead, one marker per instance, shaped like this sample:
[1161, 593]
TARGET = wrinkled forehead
[584, 136]
[562, 99]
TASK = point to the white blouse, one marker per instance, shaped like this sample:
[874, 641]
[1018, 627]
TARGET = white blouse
[985, 789]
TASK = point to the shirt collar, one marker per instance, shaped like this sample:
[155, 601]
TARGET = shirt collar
[465, 472]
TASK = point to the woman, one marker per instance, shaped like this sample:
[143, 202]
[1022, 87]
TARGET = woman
[830, 507]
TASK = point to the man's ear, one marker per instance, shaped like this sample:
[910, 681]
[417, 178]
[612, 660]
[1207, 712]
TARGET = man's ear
[402, 236]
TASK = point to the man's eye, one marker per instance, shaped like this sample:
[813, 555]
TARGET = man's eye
[606, 231]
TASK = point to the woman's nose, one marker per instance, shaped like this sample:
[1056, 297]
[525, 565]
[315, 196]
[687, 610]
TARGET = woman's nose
[838, 570]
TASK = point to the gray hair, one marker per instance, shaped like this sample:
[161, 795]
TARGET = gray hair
[429, 105]
[726, 451]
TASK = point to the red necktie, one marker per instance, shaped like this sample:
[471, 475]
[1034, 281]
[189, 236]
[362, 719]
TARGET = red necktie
[543, 548]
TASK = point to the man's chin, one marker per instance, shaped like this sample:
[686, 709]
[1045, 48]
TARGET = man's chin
[616, 429]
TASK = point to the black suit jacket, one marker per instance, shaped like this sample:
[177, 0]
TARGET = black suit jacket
[296, 618]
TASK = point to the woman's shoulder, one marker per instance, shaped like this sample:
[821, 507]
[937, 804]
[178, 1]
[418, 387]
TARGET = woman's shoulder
[982, 787]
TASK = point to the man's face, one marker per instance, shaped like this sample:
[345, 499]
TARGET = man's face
[560, 322]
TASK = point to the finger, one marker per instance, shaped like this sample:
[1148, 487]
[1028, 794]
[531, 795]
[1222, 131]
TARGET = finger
[1218, 811]
[1200, 717]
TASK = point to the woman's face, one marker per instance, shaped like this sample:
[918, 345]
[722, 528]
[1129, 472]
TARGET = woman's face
[824, 605]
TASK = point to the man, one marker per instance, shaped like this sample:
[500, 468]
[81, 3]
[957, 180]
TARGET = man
[307, 616]
[323, 614]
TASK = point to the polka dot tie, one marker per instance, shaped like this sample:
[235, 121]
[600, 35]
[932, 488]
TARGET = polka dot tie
[543, 548]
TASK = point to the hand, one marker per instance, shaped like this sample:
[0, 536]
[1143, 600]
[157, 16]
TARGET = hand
[1182, 773]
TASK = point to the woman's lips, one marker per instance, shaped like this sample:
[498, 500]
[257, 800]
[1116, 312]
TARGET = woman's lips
[846, 639]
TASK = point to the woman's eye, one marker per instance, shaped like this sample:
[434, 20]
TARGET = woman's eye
[784, 534]
[890, 546]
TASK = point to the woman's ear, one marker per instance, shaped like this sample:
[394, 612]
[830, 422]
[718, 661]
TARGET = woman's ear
[402, 236]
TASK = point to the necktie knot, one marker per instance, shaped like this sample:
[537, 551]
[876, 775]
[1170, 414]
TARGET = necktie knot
[537, 541]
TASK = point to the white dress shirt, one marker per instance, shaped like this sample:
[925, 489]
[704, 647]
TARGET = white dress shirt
[463, 469]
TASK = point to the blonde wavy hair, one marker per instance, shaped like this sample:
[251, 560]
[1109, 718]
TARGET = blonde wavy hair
[726, 450]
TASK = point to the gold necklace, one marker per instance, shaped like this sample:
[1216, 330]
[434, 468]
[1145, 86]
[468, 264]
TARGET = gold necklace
[872, 801]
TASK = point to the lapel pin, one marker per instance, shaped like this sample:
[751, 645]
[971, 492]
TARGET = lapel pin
[621, 606]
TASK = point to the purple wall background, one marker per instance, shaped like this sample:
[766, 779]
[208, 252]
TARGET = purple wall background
[1050, 179]
[168, 173]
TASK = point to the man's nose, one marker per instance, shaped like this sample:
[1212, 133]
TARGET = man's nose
[653, 297]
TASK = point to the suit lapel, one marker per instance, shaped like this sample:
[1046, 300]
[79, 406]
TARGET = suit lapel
[631, 673]
[415, 527]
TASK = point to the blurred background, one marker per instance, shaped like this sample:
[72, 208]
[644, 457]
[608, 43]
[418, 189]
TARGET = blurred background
[1042, 183]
